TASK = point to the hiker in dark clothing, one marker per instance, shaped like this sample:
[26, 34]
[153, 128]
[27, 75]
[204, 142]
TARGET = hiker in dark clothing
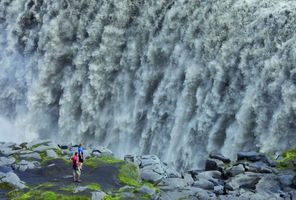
[80, 156]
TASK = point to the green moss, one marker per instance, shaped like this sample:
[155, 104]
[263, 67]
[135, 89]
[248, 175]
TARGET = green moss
[62, 197]
[97, 161]
[6, 186]
[94, 186]
[44, 195]
[129, 174]
[22, 196]
[108, 197]
[44, 157]
[67, 161]
[70, 188]
[14, 194]
[45, 185]
[23, 145]
[93, 162]
[110, 160]
[37, 145]
[16, 157]
[288, 156]
[58, 152]
[49, 196]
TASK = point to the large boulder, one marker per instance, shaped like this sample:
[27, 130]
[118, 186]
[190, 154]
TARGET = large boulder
[171, 172]
[99, 195]
[12, 179]
[29, 156]
[269, 184]
[194, 173]
[173, 183]
[214, 164]
[204, 184]
[129, 158]
[258, 167]
[219, 190]
[80, 189]
[6, 161]
[188, 179]
[42, 148]
[147, 190]
[248, 180]
[219, 156]
[286, 179]
[192, 193]
[148, 160]
[103, 151]
[96, 153]
[8, 151]
[42, 145]
[151, 176]
[26, 152]
[5, 169]
[249, 195]
[249, 155]
[235, 170]
[151, 168]
[24, 165]
[51, 153]
[210, 174]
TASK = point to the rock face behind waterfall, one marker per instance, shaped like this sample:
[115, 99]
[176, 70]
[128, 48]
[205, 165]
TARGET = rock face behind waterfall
[177, 79]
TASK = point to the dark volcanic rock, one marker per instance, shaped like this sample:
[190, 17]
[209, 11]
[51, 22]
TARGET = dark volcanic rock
[249, 155]
[63, 147]
[214, 164]
[235, 170]
[258, 167]
[247, 180]
[219, 157]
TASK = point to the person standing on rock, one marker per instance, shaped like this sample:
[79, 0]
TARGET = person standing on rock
[76, 169]
[80, 155]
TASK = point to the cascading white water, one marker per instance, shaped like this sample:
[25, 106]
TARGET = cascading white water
[176, 78]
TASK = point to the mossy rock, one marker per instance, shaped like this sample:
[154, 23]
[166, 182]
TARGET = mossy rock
[129, 174]
[94, 186]
[39, 144]
[108, 197]
[23, 145]
[289, 160]
[6, 186]
[43, 195]
[98, 161]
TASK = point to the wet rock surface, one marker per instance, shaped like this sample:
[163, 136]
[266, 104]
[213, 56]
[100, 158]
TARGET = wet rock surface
[251, 176]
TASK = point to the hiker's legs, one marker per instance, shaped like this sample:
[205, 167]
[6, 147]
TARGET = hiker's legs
[74, 175]
[77, 173]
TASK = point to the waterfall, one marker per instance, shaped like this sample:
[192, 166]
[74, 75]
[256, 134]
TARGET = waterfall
[175, 78]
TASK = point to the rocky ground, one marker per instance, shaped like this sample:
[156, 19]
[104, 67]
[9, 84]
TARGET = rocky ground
[42, 170]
